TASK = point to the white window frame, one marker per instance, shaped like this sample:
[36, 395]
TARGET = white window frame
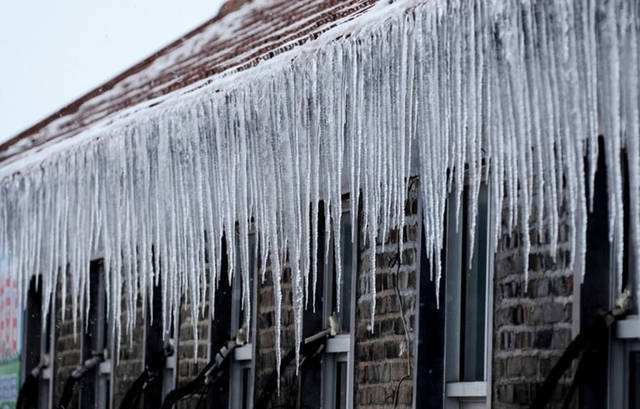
[104, 375]
[625, 339]
[169, 374]
[47, 379]
[45, 382]
[341, 347]
[243, 357]
[458, 393]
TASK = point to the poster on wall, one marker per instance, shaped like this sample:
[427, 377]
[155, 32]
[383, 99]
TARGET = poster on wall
[10, 336]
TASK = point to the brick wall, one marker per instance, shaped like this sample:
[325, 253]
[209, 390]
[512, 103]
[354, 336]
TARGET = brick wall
[532, 328]
[383, 361]
[67, 354]
[131, 360]
[265, 340]
[190, 361]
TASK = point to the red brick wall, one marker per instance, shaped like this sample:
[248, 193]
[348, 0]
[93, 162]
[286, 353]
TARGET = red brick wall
[67, 354]
[531, 329]
[382, 371]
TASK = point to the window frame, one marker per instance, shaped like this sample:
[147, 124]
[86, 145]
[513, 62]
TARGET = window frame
[340, 348]
[457, 391]
[102, 380]
[243, 356]
[169, 373]
[446, 380]
[625, 339]
[46, 343]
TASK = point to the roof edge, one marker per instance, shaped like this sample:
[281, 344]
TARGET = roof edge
[227, 8]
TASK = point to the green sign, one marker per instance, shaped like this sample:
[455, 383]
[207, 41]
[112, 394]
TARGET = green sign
[10, 336]
[9, 384]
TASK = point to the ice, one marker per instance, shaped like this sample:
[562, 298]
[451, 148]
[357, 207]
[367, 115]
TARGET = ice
[457, 93]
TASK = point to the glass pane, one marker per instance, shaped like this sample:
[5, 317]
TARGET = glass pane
[246, 373]
[341, 385]
[453, 315]
[474, 294]
[107, 393]
[634, 380]
[310, 382]
[346, 249]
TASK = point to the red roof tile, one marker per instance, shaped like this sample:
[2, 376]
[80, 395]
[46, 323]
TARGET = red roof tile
[243, 34]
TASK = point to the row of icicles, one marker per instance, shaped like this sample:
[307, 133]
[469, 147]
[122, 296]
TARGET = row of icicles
[455, 92]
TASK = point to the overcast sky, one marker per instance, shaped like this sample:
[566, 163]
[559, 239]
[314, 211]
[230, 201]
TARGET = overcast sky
[51, 52]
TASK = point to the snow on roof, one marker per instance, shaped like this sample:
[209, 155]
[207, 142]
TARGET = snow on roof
[242, 35]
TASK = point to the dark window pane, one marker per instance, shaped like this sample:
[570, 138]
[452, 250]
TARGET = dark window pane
[595, 289]
[346, 248]
[95, 387]
[634, 380]
[32, 326]
[431, 336]
[341, 385]
[154, 348]
[106, 401]
[474, 294]
[246, 375]
[311, 379]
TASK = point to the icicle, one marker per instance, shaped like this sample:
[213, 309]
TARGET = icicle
[512, 94]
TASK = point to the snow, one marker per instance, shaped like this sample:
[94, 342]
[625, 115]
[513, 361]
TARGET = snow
[512, 92]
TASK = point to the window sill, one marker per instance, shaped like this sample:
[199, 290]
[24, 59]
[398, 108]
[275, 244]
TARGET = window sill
[464, 390]
[105, 367]
[243, 353]
[339, 344]
[171, 362]
[46, 374]
[628, 328]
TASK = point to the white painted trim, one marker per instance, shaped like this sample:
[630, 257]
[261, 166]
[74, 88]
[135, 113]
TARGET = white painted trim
[455, 390]
[340, 348]
[46, 373]
[171, 362]
[339, 344]
[628, 328]
[105, 367]
[244, 353]
[243, 356]
[466, 389]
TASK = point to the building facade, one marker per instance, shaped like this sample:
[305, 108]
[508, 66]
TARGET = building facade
[429, 272]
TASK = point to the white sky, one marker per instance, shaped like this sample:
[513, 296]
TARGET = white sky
[51, 52]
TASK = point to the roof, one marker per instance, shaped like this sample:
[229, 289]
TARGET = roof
[243, 34]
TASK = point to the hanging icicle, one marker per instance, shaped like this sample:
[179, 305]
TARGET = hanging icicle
[515, 92]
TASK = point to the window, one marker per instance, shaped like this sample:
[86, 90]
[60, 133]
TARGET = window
[326, 381]
[38, 343]
[96, 387]
[220, 331]
[338, 362]
[624, 359]
[156, 341]
[467, 295]
[242, 367]
[454, 340]
[593, 294]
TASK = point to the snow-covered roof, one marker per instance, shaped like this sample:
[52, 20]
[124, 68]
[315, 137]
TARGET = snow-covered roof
[242, 35]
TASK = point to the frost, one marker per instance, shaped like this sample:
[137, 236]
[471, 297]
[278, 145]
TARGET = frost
[454, 92]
